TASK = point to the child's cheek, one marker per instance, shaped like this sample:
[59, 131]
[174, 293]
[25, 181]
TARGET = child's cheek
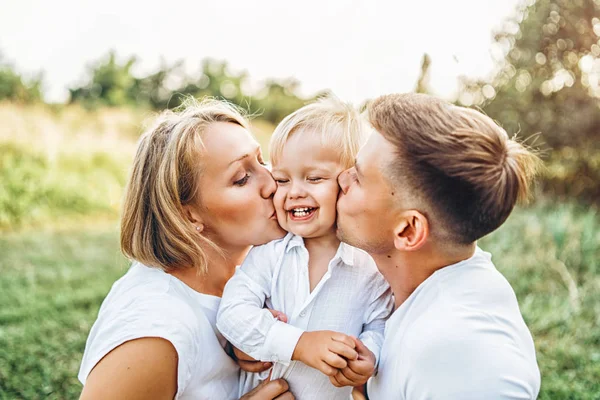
[278, 203]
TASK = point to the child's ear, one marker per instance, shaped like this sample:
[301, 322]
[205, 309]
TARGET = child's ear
[411, 232]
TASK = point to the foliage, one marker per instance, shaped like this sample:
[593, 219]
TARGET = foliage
[548, 81]
[16, 88]
[112, 83]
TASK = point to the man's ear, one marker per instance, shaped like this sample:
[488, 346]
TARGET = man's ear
[411, 232]
[193, 217]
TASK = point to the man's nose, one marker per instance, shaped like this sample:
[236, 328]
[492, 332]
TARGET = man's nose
[344, 181]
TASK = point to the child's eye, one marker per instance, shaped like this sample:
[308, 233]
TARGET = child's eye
[314, 179]
[281, 181]
[243, 181]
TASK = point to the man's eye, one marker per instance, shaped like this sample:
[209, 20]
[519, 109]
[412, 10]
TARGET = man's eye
[242, 181]
[314, 179]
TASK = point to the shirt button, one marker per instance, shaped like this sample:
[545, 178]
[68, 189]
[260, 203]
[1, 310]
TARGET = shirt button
[303, 314]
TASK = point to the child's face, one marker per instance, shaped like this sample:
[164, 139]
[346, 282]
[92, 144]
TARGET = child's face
[307, 187]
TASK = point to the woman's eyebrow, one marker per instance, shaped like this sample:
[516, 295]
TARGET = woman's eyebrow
[244, 156]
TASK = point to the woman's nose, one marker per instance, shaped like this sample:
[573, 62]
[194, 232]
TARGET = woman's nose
[268, 184]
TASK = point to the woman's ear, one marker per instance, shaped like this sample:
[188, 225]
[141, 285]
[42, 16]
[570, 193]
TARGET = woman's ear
[193, 217]
[411, 232]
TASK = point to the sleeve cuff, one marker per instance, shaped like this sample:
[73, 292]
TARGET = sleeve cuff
[373, 346]
[281, 342]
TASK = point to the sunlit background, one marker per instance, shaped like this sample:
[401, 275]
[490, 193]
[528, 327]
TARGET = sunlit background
[78, 81]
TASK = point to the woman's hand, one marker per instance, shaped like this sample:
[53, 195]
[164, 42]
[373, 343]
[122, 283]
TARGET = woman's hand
[269, 390]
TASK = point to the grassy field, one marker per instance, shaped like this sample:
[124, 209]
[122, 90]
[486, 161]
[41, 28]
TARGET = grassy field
[61, 178]
[52, 284]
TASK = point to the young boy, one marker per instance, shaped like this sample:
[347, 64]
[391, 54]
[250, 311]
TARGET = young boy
[335, 298]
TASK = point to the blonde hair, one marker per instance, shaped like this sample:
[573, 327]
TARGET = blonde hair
[164, 178]
[338, 124]
[456, 160]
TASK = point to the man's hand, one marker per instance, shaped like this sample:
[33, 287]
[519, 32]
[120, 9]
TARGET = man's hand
[358, 371]
[326, 351]
[248, 363]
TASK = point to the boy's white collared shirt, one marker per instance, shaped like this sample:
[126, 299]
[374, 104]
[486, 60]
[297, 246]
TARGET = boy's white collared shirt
[352, 297]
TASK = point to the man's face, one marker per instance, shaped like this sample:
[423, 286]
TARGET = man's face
[366, 204]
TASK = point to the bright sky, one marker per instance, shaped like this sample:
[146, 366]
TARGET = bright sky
[357, 48]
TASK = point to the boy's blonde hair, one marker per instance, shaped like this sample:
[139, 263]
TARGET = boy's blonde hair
[164, 178]
[339, 125]
[455, 161]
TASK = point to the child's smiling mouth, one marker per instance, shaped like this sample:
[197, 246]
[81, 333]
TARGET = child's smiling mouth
[302, 213]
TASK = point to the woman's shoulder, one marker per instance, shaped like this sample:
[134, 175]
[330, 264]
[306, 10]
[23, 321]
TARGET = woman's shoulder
[143, 304]
[146, 293]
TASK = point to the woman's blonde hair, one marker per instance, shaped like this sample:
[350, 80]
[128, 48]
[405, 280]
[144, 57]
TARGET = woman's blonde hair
[454, 160]
[339, 126]
[164, 178]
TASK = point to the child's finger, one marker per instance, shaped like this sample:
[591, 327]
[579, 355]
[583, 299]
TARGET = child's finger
[341, 379]
[278, 315]
[351, 375]
[361, 367]
[327, 369]
[340, 337]
[343, 350]
[335, 361]
[360, 346]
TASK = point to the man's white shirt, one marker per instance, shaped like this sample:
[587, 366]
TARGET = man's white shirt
[460, 335]
[352, 297]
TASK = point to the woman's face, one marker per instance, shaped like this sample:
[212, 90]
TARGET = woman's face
[236, 190]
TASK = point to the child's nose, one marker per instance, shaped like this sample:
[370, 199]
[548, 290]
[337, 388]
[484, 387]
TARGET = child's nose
[296, 190]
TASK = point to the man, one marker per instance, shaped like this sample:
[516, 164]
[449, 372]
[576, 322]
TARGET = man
[433, 179]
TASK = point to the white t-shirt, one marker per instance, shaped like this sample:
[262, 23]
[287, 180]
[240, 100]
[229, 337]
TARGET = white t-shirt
[460, 335]
[148, 302]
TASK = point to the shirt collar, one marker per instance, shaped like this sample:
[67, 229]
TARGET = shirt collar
[344, 252]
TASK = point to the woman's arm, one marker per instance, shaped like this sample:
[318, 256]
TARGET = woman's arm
[143, 368]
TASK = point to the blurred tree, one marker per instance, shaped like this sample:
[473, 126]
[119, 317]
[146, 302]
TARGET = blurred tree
[548, 81]
[110, 83]
[15, 88]
[423, 81]
[548, 78]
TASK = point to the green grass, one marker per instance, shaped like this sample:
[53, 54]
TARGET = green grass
[52, 284]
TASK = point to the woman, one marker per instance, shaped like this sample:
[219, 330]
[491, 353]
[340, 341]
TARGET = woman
[199, 196]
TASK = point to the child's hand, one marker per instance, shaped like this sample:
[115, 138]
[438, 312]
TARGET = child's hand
[326, 351]
[358, 371]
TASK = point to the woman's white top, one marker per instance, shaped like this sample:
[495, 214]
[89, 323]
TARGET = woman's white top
[147, 302]
[352, 297]
[459, 336]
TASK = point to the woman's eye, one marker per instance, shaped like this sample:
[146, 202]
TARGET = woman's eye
[242, 181]
[315, 179]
